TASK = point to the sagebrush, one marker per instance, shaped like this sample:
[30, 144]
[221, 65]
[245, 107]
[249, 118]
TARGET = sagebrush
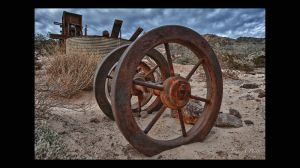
[69, 74]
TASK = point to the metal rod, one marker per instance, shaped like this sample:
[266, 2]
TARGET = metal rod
[148, 84]
[151, 71]
[169, 59]
[199, 98]
[156, 117]
[181, 122]
[193, 70]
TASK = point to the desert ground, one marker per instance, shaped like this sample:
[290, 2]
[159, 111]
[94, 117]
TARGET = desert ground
[89, 134]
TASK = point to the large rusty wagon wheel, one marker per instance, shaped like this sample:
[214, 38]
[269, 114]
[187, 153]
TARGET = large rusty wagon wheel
[105, 73]
[174, 92]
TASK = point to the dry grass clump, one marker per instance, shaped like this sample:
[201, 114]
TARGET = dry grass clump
[69, 74]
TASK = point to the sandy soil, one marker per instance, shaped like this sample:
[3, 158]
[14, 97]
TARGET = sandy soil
[92, 135]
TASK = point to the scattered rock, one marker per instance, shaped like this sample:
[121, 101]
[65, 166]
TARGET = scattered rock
[247, 97]
[144, 114]
[249, 86]
[235, 113]
[258, 91]
[191, 112]
[94, 120]
[261, 95]
[62, 132]
[222, 153]
[38, 65]
[228, 120]
[229, 103]
[248, 122]
[106, 119]
[159, 157]
[252, 73]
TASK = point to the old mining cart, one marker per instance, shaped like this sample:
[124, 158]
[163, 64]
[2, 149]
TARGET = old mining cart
[126, 72]
[137, 69]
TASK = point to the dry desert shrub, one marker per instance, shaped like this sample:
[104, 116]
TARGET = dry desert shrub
[69, 74]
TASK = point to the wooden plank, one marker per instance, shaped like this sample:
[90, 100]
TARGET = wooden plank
[136, 34]
[116, 29]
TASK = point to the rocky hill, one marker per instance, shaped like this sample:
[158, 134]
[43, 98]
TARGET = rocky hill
[243, 53]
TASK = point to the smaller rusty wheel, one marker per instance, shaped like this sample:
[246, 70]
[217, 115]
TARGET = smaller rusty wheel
[105, 73]
[174, 92]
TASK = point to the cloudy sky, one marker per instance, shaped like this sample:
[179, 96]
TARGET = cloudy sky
[231, 23]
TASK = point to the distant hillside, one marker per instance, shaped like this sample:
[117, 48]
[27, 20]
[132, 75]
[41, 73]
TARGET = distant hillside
[241, 53]
[242, 46]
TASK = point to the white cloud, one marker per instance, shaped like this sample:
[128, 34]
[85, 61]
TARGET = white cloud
[227, 22]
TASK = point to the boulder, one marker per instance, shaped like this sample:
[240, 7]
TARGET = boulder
[191, 112]
[228, 120]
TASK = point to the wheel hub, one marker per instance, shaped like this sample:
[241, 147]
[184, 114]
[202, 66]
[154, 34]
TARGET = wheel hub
[176, 93]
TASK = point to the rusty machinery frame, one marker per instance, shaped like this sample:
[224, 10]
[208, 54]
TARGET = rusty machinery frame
[71, 26]
[122, 75]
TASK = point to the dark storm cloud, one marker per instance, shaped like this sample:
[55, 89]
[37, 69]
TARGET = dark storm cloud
[224, 22]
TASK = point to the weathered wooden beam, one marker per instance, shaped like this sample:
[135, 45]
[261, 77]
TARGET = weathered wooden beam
[116, 28]
[136, 34]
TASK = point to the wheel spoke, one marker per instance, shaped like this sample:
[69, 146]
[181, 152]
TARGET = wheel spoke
[194, 69]
[148, 84]
[181, 123]
[169, 59]
[154, 120]
[199, 98]
[151, 71]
